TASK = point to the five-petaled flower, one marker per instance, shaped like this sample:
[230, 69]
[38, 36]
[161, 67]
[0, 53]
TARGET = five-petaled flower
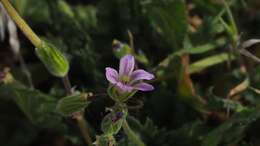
[128, 79]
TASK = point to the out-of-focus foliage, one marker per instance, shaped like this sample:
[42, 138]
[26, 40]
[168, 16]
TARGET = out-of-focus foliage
[206, 92]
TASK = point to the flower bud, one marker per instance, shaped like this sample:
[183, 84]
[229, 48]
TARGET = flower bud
[69, 105]
[112, 122]
[53, 59]
[120, 49]
[119, 96]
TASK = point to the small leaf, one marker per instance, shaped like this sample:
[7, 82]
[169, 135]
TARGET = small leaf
[239, 88]
[209, 61]
[198, 49]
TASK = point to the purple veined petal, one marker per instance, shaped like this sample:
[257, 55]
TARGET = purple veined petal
[127, 64]
[143, 87]
[112, 75]
[124, 87]
[140, 74]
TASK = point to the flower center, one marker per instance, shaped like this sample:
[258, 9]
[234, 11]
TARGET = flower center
[124, 79]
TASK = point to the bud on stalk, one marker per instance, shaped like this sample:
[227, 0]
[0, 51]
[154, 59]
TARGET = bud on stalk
[52, 58]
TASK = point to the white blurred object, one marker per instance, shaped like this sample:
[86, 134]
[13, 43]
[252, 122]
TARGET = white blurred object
[7, 23]
[13, 38]
[3, 17]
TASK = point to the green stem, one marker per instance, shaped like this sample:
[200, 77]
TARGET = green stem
[231, 18]
[82, 123]
[35, 40]
[84, 129]
[67, 84]
[132, 135]
[233, 25]
[223, 11]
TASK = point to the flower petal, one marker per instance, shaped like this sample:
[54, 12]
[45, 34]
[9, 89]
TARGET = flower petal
[123, 87]
[143, 87]
[140, 75]
[111, 75]
[127, 64]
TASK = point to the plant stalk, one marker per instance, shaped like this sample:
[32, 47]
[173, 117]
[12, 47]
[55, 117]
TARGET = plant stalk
[84, 129]
[131, 134]
[79, 116]
[35, 40]
[67, 85]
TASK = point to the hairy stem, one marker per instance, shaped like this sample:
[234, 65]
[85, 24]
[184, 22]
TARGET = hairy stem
[35, 40]
[84, 129]
[79, 116]
[131, 135]
[67, 84]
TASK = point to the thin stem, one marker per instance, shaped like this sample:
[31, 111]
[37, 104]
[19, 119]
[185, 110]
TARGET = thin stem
[223, 11]
[131, 135]
[131, 39]
[231, 19]
[67, 84]
[35, 40]
[79, 116]
[84, 129]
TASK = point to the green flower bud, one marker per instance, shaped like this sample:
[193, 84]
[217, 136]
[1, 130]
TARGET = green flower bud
[72, 104]
[118, 96]
[53, 59]
[120, 49]
[112, 122]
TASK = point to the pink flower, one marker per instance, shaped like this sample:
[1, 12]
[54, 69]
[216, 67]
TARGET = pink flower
[129, 79]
